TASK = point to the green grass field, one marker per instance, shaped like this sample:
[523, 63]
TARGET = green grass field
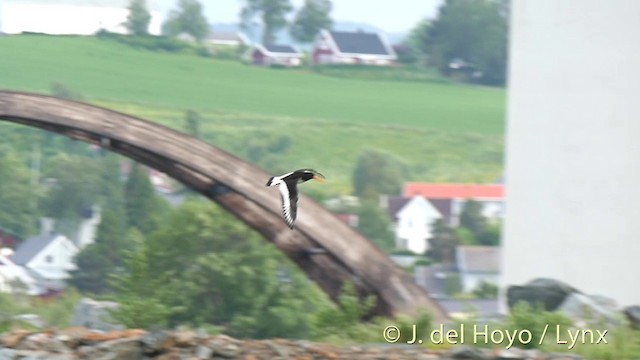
[444, 132]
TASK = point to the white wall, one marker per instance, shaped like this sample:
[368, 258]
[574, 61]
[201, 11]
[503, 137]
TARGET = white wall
[61, 252]
[573, 146]
[64, 19]
[414, 224]
[88, 228]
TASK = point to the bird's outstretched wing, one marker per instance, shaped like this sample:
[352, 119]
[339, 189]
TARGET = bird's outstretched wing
[289, 196]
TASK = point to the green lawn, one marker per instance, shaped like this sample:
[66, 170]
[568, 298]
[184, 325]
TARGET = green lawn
[445, 132]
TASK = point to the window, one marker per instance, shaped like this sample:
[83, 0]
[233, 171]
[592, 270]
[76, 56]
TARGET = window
[48, 259]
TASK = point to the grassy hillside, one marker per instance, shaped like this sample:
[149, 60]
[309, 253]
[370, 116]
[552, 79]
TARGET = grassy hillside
[443, 131]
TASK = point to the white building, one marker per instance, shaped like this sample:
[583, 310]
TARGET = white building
[70, 17]
[341, 47]
[573, 146]
[14, 277]
[412, 220]
[48, 259]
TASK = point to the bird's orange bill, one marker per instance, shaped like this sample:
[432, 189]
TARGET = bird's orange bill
[316, 177]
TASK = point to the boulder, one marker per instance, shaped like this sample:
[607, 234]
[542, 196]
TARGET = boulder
[95, 315]
[464, 352]
[548, 292]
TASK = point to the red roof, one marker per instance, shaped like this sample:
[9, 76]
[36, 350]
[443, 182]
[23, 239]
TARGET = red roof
[454, 191]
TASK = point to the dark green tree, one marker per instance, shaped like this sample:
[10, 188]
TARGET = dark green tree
[442, 243]
[483, 231]
[474, 31]
[192, 123]
[97, 261]
[272, 14]
[62, 91]
[18, 194]
[343, 319]
[312, 17]
[75, 187]
[378, 173]
[139, 293]
[375, 225]
[491, 235]
[418, 40]
[144, 208]
[138, 19]
[471, 218]
[112, 185]
[188, 18]
[203, 267]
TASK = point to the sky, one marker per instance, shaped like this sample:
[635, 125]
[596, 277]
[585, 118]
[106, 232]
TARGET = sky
[397, 16]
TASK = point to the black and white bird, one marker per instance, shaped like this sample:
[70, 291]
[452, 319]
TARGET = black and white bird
[287, 185]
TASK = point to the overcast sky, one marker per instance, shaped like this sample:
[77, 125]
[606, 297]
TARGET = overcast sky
[392, 16]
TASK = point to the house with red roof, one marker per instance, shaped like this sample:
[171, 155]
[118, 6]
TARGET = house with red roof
[491, 196]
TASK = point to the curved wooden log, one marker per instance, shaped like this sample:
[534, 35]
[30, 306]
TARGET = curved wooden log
[239, 187]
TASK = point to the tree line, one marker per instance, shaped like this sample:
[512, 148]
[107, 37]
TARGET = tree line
[466, 41]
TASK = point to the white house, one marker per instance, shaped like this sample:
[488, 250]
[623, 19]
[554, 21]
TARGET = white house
[341, 47]
[268, 55]
[227, 38]
[70, 17]
[412, 219]
[48, 258]
[14, 277]
[477, 264]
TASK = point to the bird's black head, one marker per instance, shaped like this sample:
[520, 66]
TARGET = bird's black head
[308, 174]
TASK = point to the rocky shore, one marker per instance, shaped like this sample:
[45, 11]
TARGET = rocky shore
[80, 343]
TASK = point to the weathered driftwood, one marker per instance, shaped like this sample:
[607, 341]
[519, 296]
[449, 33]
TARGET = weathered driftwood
[240, 188]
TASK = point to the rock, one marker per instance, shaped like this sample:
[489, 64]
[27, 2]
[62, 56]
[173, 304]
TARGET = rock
[510, 354]
[121, 349]
[225, 346]
[7, 354]
[185, 338]
[203, 352]
[467, 353]
[13, 338]
[548, 292]
[633, 315]
[186, 345]
[154, 342]
[564, 357]
[228, 351]
[95, 315]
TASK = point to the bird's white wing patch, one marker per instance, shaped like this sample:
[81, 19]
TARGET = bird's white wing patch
[286, 203]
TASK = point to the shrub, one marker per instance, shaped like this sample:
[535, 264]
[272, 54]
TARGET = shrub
[62, 91]
[147, 42]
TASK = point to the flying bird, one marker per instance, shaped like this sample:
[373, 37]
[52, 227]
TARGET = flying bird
[287, 185]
